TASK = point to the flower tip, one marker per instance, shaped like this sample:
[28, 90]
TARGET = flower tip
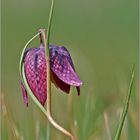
[24, 93]
[81, 83]
[77, 83]
[78, 90]
[26, 104]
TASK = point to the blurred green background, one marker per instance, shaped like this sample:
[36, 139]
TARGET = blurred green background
[102, 38]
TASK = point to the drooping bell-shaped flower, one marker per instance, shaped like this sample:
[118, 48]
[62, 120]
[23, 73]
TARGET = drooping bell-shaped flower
[63, 73]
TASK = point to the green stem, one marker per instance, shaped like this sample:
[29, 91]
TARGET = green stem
[31, 93]
[46, 42]
[23, 77]
[48, 58]
[23, 51]
[48, 79]
[22, 74]
[47, 114]
[49, 28]
[126, 105]
[48, 75]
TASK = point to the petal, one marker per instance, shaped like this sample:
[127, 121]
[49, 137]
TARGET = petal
[62, 70]
[35, 71]
[78, 90]
[59, 83]
[24, 93]
[62, 66]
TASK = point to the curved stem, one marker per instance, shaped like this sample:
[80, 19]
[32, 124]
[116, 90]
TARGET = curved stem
[48, 75]
[23, 51]
[48, 105]
[22, 74]
[58, 127]
[47, 113]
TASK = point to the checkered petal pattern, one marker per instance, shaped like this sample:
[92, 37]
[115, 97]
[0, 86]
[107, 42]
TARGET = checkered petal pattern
[62, 66]
[63, 74]
[35, 71]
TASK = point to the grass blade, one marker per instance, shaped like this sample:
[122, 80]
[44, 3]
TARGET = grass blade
[126, 105]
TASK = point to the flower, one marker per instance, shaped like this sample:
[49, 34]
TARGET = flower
[63, 73]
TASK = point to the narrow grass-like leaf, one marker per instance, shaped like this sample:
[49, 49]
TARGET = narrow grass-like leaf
[48, 67]
[125, 108]
[49, 29]
[22, 74]
[23, 77]
[23, 51]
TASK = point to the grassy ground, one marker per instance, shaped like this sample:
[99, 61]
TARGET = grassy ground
[102, 37]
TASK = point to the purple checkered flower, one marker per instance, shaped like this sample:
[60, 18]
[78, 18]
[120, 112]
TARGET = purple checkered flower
[63, 73]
